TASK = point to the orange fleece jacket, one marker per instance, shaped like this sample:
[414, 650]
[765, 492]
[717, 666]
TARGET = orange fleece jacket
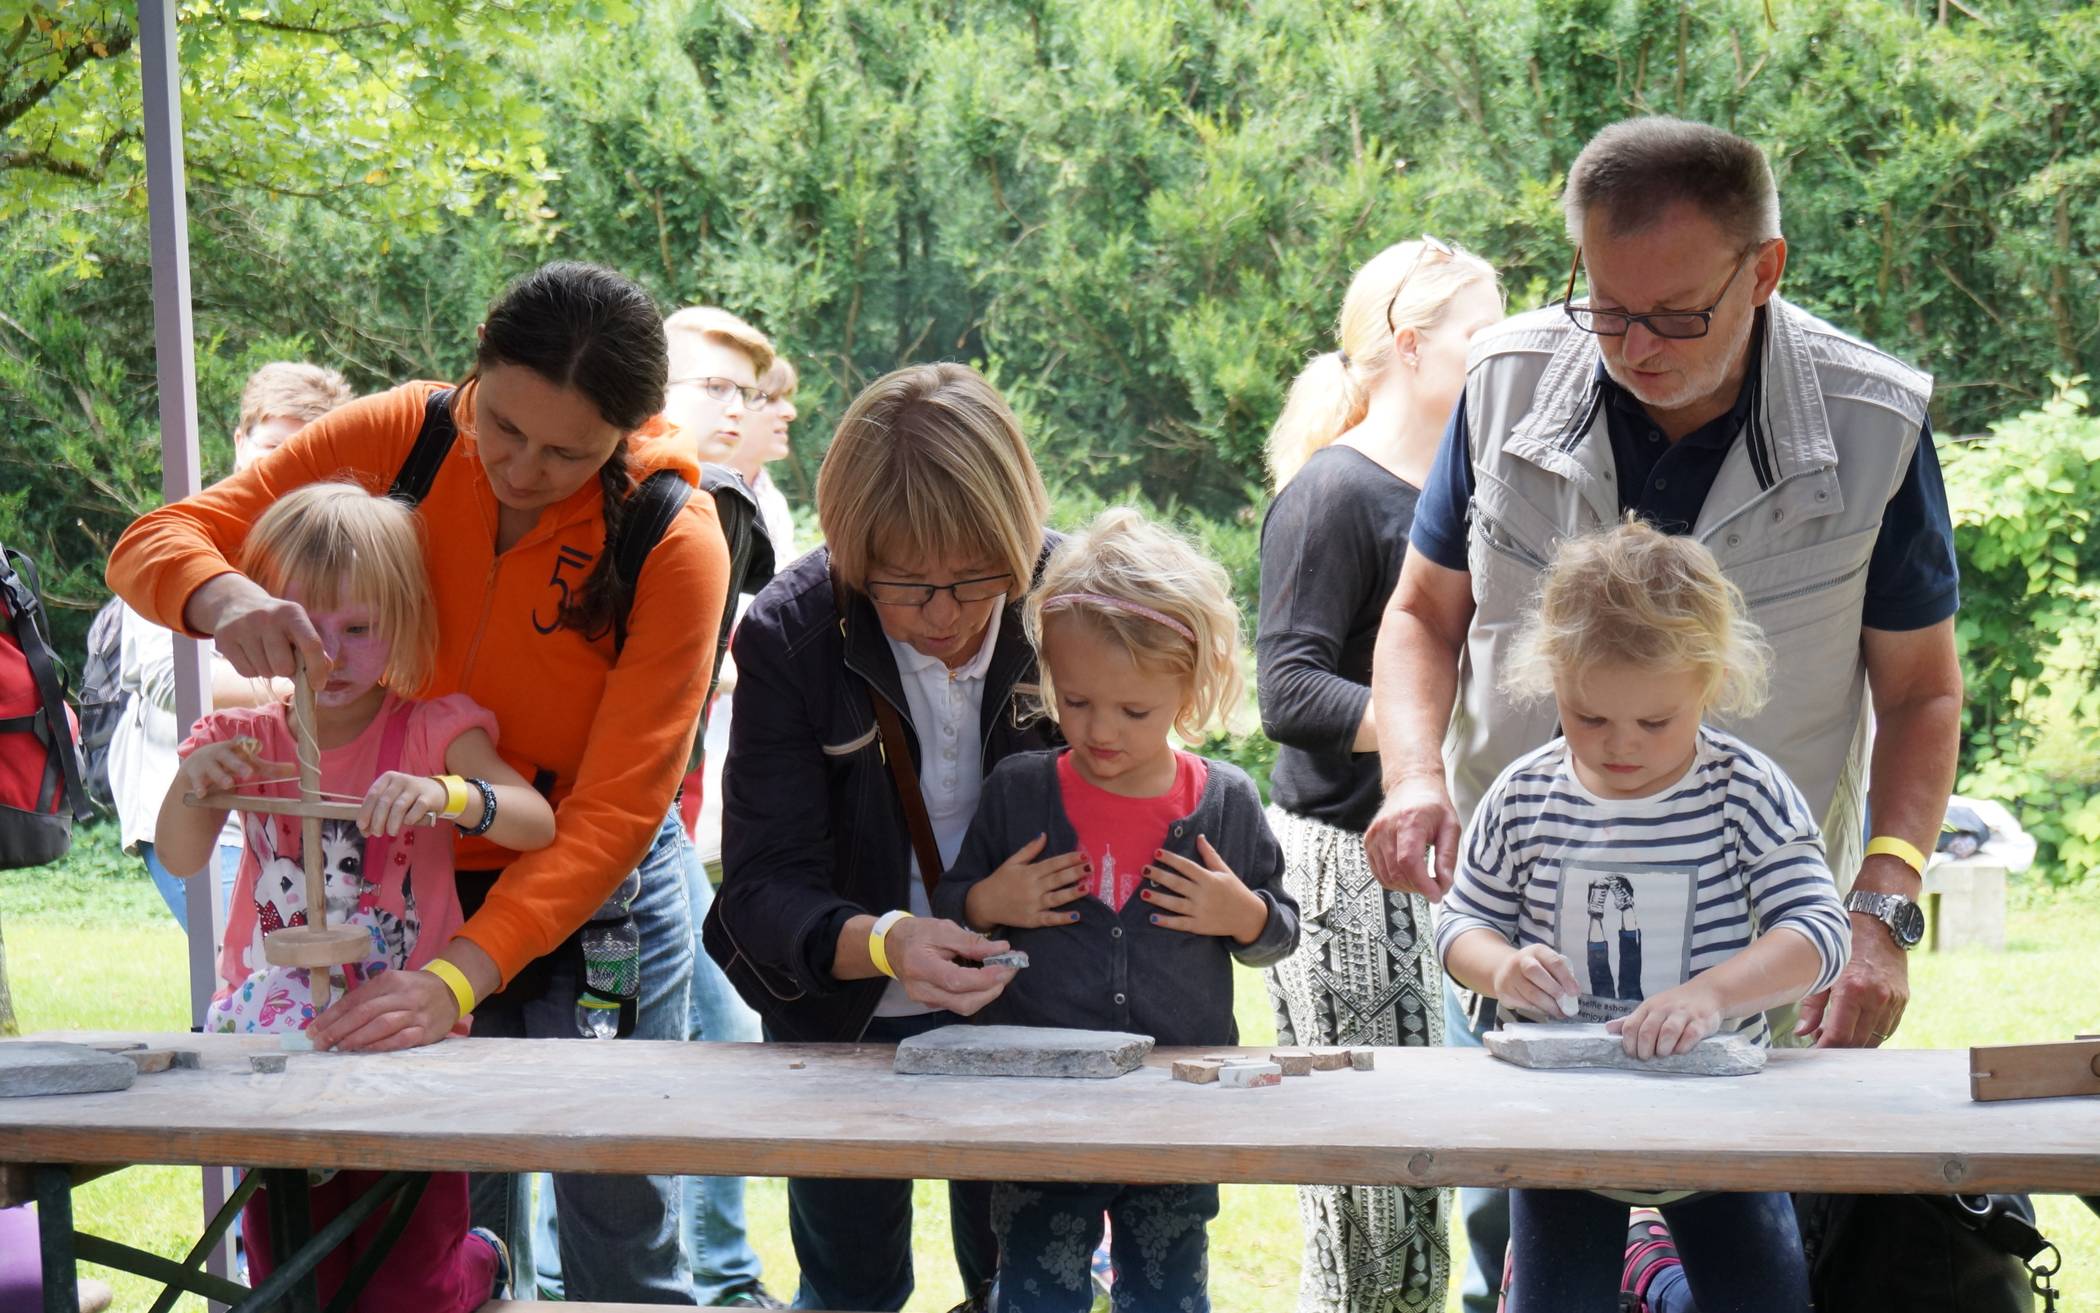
[615, 734]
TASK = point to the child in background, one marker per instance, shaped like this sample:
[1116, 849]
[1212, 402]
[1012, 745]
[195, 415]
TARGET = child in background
[1160, 871]
[1696, 849]
[355, 563]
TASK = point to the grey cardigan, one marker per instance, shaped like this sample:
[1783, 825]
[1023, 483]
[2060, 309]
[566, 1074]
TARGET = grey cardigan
[1118, 971]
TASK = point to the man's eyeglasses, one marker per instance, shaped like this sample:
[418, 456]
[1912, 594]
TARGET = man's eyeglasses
[722, 389]
[1430, 245]
[964, 591]
[1679, 324]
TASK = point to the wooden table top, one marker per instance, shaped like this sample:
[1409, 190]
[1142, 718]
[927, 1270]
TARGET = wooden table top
[1858, 1121]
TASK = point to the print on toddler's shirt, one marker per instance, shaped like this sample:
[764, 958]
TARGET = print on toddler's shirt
[1626, 930]
[1114, 881]
[1119, 834]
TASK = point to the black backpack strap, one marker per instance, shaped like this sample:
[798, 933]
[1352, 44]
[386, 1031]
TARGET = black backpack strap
[650, 510]
[433, 443]
[25, 614]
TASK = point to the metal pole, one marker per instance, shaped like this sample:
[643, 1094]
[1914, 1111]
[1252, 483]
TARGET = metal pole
[160, 69]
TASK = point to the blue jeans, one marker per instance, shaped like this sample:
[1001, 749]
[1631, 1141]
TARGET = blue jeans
[711, 1207]
[618, 1236]
[1159, 1238]
[1741, 1252]
[853, 1238]
[1483, 1213]
[173, 889]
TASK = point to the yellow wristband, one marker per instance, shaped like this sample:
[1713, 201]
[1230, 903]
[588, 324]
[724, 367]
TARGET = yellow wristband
[883, 924]
[1894, 847]
[455, 980]
[456, 796]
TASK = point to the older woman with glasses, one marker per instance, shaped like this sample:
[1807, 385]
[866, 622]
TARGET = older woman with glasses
[1349, 455]
[881, 677]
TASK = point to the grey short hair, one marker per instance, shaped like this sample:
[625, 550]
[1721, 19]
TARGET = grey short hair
[1635, 169]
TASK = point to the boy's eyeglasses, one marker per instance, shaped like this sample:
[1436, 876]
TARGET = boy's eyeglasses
[964, 591]
[722, 389]
[1681, 325]
[1430, 246]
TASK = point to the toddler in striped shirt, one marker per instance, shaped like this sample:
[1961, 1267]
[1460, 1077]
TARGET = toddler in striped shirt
[1651, 871]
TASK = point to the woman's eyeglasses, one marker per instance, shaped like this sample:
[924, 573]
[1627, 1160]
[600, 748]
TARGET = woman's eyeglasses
[964, 591]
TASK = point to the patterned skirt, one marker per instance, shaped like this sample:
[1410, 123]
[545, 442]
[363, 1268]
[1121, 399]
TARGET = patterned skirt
[1365, 973]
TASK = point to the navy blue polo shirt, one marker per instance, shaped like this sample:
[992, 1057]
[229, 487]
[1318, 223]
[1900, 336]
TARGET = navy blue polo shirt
[1912, 581]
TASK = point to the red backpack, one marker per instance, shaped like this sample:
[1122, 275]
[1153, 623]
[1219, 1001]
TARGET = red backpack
[40, 791]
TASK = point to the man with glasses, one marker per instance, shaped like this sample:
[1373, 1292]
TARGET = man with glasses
[1678, 386]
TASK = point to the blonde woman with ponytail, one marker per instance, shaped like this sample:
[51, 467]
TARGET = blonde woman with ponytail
[1349, 454]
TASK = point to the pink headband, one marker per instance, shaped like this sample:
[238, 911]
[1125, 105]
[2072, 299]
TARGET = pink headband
[1118, 604]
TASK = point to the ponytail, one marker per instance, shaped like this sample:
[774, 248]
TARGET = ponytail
[1325, 401]
[605, 592]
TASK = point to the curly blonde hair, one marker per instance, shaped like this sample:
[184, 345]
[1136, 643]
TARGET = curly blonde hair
[1140, 586]
[1637, 596]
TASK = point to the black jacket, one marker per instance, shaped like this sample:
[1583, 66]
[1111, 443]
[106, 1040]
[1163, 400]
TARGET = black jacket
[812, 831]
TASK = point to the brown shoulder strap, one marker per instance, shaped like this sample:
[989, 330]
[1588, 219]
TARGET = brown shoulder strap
[897, 752]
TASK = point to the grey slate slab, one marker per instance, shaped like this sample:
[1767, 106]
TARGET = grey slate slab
[29, 1067]
[1021, 1051]
[1551, 1046]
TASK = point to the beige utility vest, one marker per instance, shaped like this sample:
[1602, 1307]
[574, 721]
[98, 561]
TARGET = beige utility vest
[1792, 517]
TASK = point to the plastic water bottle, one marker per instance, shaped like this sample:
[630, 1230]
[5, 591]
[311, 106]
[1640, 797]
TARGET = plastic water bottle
[596, 1018]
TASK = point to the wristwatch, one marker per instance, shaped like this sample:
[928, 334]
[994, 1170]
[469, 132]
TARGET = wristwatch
[1904, 918]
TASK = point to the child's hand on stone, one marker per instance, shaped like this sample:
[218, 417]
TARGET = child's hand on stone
[1205, 898]
[217, 767]
[396, 801]
[1672, 1022]
[1026, 894]
[1536, 982]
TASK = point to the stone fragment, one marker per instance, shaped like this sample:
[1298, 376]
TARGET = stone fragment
[1362, 1059]
[1021, 1051]
[266, 1063]
[797, 1065]
[1555, 1046]
[149, 1061]
[31, 1067]
[1012, 957]
[1198, 1071]
[117, 1045]
[188, 1060]
[1249, 1075]
[1330, 1059]
[1294, 1062]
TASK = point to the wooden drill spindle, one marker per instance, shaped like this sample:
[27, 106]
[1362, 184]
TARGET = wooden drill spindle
[308, 751]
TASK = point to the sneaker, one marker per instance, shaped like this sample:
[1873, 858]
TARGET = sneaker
[1649, 1250]
[752, 1296]
[500, 1287]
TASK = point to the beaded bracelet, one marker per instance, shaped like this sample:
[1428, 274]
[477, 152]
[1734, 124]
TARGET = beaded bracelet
[488, 808]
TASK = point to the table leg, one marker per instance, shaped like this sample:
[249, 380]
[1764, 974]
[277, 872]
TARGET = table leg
[54, 1217]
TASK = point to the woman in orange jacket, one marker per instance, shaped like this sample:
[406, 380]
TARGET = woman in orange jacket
[595, 680]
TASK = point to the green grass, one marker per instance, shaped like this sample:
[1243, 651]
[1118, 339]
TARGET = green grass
[90, 946]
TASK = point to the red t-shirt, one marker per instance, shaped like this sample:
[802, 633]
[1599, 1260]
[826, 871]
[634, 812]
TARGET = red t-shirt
[1119, 834]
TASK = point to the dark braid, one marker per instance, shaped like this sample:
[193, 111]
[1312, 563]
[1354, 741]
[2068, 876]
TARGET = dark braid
[585, 327]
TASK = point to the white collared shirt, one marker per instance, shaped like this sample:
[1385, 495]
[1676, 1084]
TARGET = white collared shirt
[946, 711]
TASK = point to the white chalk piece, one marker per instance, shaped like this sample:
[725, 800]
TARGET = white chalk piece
[1012, 957]
[1570, 1005]
[1249, 1075]
[295, 1041]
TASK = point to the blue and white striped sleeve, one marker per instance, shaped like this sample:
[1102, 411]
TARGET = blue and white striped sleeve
[1486, 893]
[1785, 869]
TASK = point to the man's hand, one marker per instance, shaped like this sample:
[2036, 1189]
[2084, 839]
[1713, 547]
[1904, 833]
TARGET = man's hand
[1027, 894]
[1866, 1005]
[1416, 817]
[935, 960]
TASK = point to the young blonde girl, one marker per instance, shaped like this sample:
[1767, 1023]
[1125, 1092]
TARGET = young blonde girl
[1652, 872]
[420, 772]
[1131, 872]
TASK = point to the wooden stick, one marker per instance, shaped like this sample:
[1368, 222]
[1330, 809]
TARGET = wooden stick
[308, 750]
[255, 802]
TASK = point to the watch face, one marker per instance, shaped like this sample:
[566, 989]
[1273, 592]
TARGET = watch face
[1907, 920]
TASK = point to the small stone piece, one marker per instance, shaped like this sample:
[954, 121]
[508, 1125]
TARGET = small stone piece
[797, 1065]
[1547, 1046]
[1249, 1075]
[149, 1061]
[1021, 1051]
[1294, 1062]
[117, 1046]
[1362, 1059]
[1198, 1071]
[295, 1041]
[188, 1060]
[266, 1063]
[1330, 1059]
[1013, 957]
[31, 1067]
